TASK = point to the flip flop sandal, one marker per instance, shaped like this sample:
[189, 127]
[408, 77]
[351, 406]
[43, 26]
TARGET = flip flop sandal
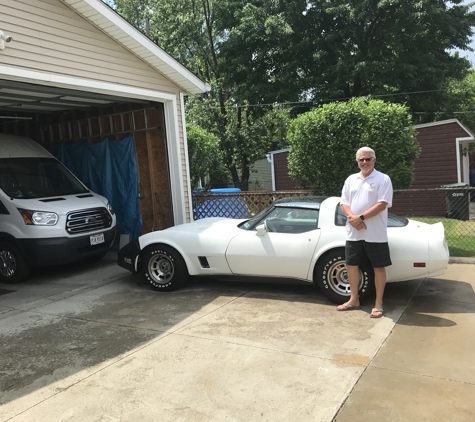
[346, 307]
[376, 313]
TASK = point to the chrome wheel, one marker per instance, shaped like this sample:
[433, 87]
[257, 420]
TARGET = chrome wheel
[331, 276]
[338, 278]
[164, 268]
[161, 268]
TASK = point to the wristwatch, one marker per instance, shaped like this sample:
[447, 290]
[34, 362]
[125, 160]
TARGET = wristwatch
[362, 217]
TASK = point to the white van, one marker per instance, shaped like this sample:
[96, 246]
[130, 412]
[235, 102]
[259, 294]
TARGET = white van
[47, 216]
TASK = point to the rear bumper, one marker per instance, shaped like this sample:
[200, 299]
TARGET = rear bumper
[64, 250]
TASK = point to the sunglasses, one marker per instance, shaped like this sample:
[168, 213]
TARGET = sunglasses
[365, 159]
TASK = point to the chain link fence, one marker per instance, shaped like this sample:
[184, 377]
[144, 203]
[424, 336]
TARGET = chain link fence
[454, 207]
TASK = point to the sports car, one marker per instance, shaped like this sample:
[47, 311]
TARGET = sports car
[293, 240]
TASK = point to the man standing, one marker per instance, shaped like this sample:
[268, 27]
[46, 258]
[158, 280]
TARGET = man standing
[365, 199]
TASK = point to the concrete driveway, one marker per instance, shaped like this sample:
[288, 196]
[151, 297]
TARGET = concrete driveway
[92, 343]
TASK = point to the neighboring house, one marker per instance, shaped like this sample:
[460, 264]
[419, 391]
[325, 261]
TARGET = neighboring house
[75, 70]
[261, 175]
[444, 157]
[444, 160]
[280, 172]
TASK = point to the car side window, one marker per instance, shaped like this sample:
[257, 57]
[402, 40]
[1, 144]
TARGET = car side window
[291, 220]
[340, 218]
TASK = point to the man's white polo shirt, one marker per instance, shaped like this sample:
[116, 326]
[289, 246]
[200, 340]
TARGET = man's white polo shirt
[360, 195]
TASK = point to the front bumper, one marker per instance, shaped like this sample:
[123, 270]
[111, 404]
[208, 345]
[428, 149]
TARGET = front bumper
[64, 250]
[127, 256]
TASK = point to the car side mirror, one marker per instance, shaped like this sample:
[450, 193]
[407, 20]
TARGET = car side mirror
[261, 230]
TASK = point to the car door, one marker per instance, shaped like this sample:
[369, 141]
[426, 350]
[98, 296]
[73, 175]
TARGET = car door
[284, 250]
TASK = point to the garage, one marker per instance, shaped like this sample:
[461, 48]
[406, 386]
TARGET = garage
[74, 71]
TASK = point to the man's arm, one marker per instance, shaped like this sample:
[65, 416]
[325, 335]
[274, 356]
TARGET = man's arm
[354, 220]
[375, 209]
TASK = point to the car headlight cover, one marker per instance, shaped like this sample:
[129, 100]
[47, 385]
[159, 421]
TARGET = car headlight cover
[38, 218]
[109, 207]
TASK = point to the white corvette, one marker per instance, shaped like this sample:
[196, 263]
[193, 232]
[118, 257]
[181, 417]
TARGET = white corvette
[295, 239]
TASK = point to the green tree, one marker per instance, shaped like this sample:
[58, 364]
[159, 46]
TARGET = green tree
[461, 103]
[339, 49]
[205, 158]
[324, 142]
[256, 53]
[188, 30]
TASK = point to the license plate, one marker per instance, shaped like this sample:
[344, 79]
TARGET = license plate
[97, 238]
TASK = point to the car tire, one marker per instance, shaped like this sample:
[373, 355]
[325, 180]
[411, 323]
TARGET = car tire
[13, 267]
[164, 268]
[332, 278]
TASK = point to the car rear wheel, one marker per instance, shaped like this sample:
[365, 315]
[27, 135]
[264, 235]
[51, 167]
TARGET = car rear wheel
[332, 278]
[164, 268]
[13, 268]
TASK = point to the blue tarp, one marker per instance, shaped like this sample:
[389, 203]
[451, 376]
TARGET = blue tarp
[110, 169]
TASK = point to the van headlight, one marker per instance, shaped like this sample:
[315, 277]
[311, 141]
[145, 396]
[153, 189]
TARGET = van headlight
[109, 207]
[38, 218]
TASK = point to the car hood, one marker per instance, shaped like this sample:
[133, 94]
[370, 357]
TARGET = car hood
[208, 234]
[63, 204]
[216, 224]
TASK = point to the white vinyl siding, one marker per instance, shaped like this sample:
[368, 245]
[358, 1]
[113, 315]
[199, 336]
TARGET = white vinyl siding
[184, 159]
[50, 37]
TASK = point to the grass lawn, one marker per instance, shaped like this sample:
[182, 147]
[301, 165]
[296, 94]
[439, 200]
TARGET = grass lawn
[460, 235]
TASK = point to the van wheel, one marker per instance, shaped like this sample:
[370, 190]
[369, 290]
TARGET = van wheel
[13, 268]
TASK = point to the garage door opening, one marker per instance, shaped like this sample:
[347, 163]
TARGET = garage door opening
[53, 116]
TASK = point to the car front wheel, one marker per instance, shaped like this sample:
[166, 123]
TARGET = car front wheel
[164, 268]
[13, 268]
[332, 278]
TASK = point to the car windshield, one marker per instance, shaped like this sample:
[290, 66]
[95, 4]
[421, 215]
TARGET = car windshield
[254, 220]
[26, 178]
[285, 219]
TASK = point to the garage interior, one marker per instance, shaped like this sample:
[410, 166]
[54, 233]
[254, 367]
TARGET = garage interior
[52, 115]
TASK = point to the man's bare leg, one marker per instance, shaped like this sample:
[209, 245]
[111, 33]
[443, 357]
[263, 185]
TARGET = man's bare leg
[380, 284]
[354, 280]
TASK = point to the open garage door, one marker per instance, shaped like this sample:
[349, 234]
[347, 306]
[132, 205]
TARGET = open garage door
[55, 115]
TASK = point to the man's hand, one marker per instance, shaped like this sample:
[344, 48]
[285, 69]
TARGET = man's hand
[356, 222]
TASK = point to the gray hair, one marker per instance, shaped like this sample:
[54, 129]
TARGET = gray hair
[365, 149]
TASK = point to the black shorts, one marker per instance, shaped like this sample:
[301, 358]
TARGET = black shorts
[358, 252]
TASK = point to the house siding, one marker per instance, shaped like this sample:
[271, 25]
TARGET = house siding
[437, 163]
[184, 159]
[50, 37]
[435, 166]
[261, 175]
[281, 173]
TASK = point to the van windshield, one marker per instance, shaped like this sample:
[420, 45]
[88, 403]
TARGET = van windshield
[25, 178]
